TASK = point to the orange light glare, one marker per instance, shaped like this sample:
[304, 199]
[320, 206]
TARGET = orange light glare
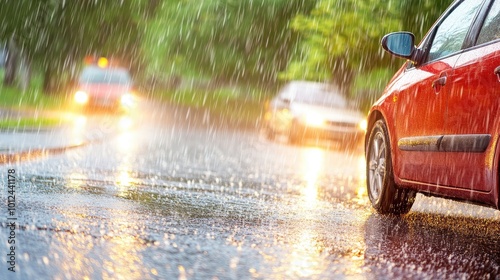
[102, 62]
[128, 100]
[81, 97]
[314, 120]
[363, 125]
[126, 123]
[88, 60]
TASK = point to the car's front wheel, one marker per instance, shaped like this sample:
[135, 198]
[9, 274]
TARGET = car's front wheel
[383, 192]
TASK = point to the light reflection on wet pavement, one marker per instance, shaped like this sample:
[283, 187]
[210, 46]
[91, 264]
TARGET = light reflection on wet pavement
[159, 200]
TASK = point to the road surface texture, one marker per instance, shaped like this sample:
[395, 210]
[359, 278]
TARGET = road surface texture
[174, 194]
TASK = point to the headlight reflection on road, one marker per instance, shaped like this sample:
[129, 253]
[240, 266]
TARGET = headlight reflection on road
[311, 241]
[123, 178]
[361, 192]
[79, 121]
[312, 167]
[126, 123]
[305, 260]
[76, 134]
[76, 179]
[124, 262]
[126, 143]
[126, 153]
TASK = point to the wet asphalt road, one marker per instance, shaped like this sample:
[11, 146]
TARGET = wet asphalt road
[172, 194]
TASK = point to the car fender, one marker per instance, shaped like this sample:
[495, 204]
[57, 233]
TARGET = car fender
[384, 108]
[495, 146]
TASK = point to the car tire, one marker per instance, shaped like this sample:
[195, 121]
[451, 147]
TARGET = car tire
[386, 197]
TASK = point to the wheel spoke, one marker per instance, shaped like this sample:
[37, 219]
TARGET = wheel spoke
[376, 148]
[381, 166]
[377, 165]
[379, 183]
[372, 182]
[381, 153]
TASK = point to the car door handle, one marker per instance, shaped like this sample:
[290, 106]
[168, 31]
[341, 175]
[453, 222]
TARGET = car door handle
[497, 72]
[437, 84]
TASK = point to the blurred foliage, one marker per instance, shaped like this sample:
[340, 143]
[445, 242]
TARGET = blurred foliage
[216, 43]
[23, 124]
[31, 97]
[55, 35]
[226, 40]
[234, 104]
[368, 86]
[417, 16]
[342, 39]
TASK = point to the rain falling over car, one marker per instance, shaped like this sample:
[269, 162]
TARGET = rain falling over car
[187, 186]
[303, 110]
[105, 88]
[435, 128]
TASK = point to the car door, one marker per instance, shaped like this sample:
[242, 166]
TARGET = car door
[419, 121]
[473, 105]
[422, 100]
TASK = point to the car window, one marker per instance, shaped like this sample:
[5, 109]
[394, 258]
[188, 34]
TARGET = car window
[94, 75]
[491, 27]
[451, 32]
[287, 93]
[313, 93]
[324, 98]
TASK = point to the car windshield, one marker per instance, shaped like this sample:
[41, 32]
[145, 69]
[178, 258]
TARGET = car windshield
[316, 94]
[95, 75]
[328, 99]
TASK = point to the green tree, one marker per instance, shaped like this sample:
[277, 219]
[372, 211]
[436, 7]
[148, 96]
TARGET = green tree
[55, 35]
[417, 16]
[342, 42]
[342, 38]
[226, 40]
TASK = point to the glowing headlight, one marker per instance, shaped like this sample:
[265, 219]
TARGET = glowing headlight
[314, 120]
[125, 123]
[363, 125]
[268, 116]
[81, 97]
[127, 100]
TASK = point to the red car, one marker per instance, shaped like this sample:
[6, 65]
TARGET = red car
[105, 87]
[436, 128]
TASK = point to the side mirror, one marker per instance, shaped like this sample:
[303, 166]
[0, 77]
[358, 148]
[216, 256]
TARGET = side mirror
[400, 44]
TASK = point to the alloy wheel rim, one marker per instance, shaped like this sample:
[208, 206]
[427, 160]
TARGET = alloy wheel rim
[376, 165]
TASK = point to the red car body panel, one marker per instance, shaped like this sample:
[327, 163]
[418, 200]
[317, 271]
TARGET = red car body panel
[467, 105]
[413, 120]
[101, 91]
[105, 86]
[473, 106]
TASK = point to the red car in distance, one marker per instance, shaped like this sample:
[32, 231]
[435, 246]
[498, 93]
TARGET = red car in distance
[436, 128]
[105, 88]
